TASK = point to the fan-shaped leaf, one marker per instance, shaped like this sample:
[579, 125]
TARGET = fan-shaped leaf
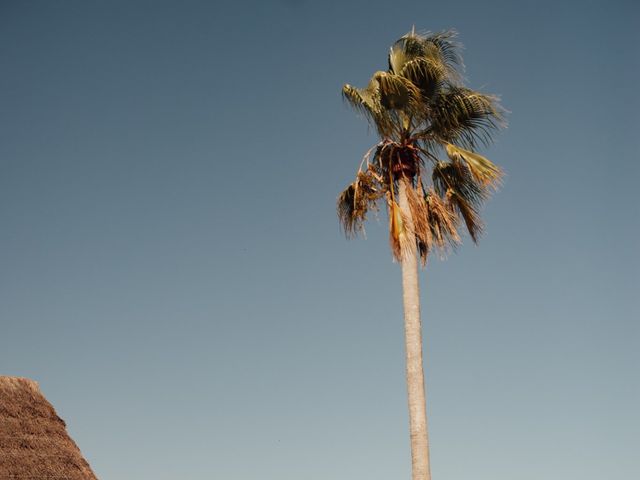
[398, 93]
[438, 47]
[426, 74]
[484, 171]
[465, 116]
[367, 102]
[468, 211]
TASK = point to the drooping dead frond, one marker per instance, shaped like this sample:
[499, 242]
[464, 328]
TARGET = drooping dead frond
[424, 246]
[423, 251]
[487, 173]
[442, 222]
[400, 238]
[346, 209]
[384, 158]
[419, 215]
[356, 200]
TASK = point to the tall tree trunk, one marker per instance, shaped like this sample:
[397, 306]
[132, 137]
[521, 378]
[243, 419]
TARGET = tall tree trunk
[413, 344]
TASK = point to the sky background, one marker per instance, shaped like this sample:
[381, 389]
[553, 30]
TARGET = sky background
[173, 274]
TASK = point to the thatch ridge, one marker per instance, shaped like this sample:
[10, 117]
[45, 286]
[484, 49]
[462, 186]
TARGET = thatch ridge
[34, 443]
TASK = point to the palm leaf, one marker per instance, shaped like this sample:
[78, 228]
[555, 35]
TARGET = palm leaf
[438, 47]
[400, 238]
[346, 210]
[442, 221]
[356, 201]
[426, 74]
[405, 49]
[419, 214]
[484, 171]
[465, 116]
[398, 93]
[457, 176]
[465, 195]
[468, 212]
[367, 102]
[444, 46]
[418, 107]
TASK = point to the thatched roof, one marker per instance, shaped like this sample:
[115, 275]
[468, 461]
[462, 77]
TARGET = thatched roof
[33, 440]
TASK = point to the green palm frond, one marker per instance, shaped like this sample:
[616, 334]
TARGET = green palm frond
[444, 46]
[426, 74]
[468, 211]
[398, 93]
[465, 116]
[367, 102]
[465, 195]
[405, 49]
[484, 171]
[457, 176]
[361, 100]
[438, 47]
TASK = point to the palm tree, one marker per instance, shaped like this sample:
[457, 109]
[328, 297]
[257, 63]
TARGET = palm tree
[423, 114]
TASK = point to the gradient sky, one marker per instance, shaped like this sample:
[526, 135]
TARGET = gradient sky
[173, 274]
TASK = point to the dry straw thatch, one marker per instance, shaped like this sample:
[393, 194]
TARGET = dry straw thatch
[34, 443]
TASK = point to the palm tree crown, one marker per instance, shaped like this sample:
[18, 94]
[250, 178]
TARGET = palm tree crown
[423, 113]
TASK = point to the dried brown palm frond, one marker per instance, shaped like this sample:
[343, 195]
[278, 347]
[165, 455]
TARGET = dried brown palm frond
[401, 239]
[423, 251]
[346, 209]
[419, 215]
[376, 174]
[382, 159]
[485, 172]
[425, 245]
[356, 200]
[442, 221]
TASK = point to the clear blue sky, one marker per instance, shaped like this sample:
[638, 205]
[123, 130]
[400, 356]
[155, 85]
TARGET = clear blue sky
[172, 272]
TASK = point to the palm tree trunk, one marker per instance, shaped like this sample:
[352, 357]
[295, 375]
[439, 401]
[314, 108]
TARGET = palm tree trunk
[413, 342]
